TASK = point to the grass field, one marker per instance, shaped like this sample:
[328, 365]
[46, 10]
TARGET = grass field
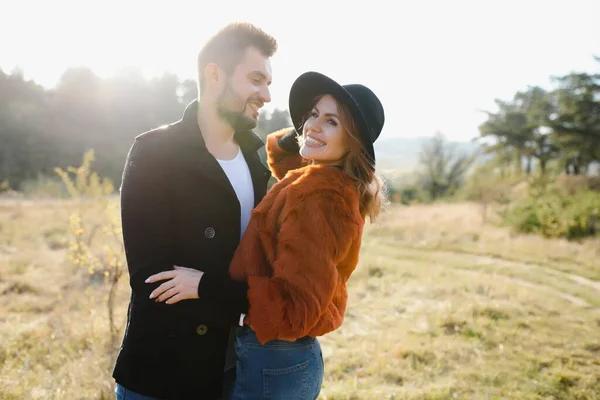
[442, 306]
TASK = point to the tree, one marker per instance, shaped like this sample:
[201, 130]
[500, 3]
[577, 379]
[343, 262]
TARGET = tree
[508, 128]
[577, 121]
[25, 134]
[537, 106]
[268, 123]
[41, 129]
[188, 91]
[443, 168]
[522, 127]
[271, 122]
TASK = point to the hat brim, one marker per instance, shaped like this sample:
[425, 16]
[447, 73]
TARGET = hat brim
[309, 86]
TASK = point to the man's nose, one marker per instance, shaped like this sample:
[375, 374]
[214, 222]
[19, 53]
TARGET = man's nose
[265, 95]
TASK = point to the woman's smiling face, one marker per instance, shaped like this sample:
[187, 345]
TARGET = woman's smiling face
[324, 136]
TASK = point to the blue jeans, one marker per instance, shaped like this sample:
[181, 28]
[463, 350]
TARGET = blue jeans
[277, 370]
[123, 393]
[126, 394]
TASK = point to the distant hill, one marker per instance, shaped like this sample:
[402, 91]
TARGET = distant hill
[402, 154]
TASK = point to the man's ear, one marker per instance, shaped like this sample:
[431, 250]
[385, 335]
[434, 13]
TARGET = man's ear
[213, 74]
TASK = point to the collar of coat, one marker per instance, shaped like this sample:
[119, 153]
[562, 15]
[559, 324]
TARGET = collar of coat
[248, 141]
[313, 181]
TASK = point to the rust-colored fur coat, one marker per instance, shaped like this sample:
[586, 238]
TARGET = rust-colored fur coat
[299, 249]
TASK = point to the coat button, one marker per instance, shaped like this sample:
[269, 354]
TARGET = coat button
[201, 329]
[209, 232]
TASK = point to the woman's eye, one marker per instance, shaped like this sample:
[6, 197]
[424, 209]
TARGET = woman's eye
[313, 114]
[332, 122]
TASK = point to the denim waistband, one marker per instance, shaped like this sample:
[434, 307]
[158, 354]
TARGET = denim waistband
[247, 335]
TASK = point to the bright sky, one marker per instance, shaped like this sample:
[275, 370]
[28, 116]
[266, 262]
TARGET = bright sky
[433, 64]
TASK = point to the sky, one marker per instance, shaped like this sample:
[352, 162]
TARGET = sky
[435, 65]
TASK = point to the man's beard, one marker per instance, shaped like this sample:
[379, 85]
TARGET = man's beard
[229, 100]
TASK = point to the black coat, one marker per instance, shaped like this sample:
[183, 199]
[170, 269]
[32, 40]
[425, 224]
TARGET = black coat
[178, 208]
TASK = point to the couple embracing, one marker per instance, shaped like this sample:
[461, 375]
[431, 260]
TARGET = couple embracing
[231, 284]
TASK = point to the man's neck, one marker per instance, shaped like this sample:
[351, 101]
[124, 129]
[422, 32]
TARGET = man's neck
[217, 133]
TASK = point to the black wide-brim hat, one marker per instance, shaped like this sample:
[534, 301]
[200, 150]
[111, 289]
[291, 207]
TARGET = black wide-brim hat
[365, 107]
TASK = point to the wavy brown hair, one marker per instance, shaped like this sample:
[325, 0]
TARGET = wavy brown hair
[357, 165]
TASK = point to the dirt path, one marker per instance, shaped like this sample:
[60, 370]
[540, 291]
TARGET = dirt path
[438, 255]
[522, 282]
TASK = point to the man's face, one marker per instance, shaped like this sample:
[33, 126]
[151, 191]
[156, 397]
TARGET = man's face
[245, 91]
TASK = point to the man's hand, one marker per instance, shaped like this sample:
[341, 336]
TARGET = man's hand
[182, 284]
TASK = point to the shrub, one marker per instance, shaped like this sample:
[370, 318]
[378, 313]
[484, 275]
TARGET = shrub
[96, 243]
[552, 212]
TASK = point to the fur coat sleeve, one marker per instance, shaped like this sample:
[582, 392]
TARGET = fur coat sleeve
[313, 257]
[281, 160]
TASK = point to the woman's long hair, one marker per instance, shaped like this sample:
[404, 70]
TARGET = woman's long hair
[356, 164]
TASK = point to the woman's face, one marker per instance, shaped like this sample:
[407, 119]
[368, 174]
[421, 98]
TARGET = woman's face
[324, 136]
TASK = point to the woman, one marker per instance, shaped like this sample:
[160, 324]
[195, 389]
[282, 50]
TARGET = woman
[303, 240]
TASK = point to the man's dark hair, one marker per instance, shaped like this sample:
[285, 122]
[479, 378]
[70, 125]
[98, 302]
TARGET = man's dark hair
[227, 47]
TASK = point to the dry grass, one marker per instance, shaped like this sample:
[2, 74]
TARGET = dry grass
[442, 306]
[54, 334]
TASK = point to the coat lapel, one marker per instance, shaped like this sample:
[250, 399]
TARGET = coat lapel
[260, 176]
[208, 167]
[202, 162]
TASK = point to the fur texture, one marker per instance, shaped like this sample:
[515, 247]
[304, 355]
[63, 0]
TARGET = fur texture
[280, 162]
[299, 250]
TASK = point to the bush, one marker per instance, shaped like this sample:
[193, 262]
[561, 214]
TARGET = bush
[550, 211]
[95, 229]
[403, 188]
[574, 184]
[44, 187]
[411, 194]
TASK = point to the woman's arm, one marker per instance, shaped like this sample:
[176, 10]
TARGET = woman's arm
[282, 152]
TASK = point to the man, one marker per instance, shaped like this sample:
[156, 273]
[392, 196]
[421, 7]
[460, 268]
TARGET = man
[186, 197]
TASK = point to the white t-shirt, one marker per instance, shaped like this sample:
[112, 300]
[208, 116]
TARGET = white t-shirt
[238, 173]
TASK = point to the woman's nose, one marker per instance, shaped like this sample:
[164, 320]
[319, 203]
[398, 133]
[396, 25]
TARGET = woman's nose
[313, 125]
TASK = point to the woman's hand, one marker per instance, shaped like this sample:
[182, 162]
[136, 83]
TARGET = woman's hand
[181, 284]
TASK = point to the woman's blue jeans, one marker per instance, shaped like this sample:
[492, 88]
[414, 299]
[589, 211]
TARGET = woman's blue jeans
[277, 370]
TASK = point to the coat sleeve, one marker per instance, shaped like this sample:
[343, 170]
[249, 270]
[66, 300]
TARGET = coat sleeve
[231, 294]
[145, 216]
[146, 222]
[314, 237]
[282, 152]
